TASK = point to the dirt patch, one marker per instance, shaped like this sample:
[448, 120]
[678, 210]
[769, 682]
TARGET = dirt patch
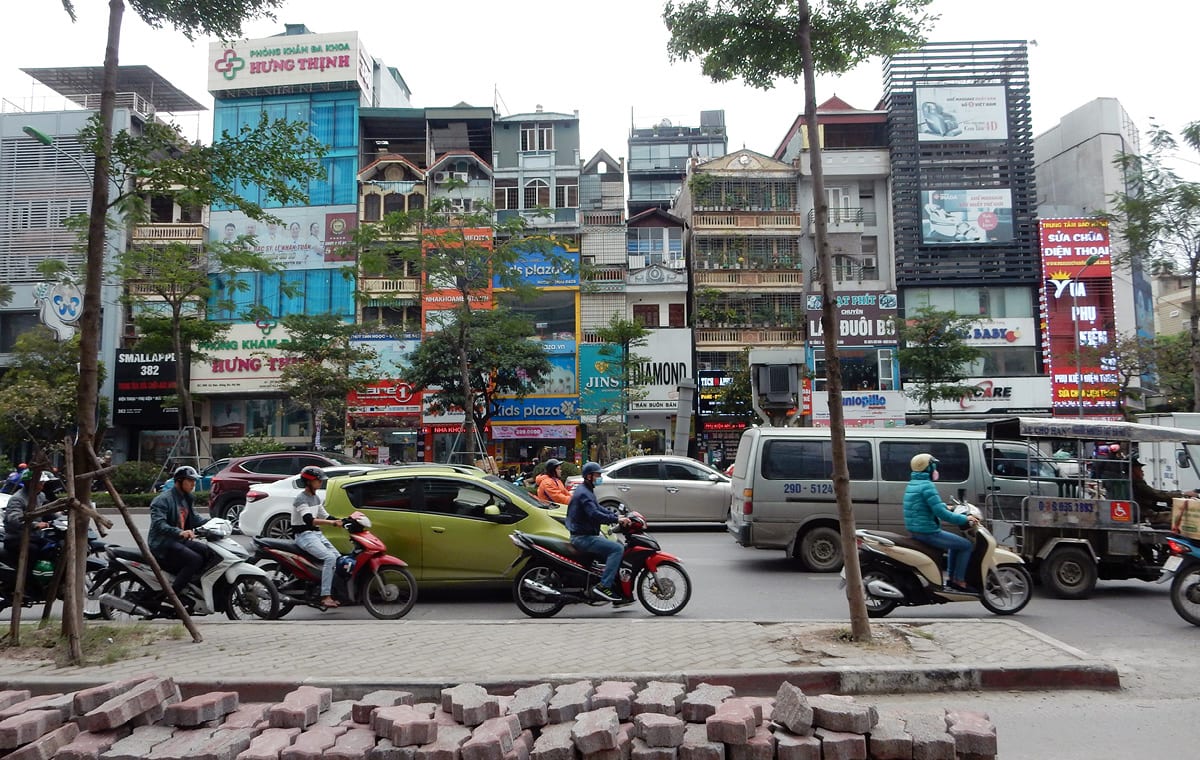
[816, 645]
[102, 644]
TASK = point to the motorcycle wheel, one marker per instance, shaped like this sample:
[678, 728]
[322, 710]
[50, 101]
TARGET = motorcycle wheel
[251, 596]
[878, 606]
[1007, 590]
[1185, 594]
[279, 578]
[533, 603]
[125, 587]
[391, 593]
[666, 591]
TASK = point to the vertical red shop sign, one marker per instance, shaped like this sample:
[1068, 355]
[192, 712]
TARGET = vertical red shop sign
[1078, 323]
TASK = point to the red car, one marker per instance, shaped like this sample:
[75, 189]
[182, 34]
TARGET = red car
[227, 496]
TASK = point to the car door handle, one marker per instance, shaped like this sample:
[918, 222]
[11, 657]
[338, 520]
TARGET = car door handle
[438, 529]
[672, 489]
[623, 489]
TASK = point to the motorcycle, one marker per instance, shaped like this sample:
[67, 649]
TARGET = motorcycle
[1182, 568]
[555, 573]
[899, 570]
[368, 574]
[228, 582]
[42, 570]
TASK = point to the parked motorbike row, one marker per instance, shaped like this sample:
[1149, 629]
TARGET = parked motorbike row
[43, 567]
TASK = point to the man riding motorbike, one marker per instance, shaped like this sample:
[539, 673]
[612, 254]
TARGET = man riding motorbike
[584, 518]
[173, 521]
[14, 519]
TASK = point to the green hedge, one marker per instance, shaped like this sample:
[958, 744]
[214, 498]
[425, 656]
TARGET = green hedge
[141, 500]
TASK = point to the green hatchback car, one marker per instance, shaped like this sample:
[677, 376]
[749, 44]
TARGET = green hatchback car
[450, 523]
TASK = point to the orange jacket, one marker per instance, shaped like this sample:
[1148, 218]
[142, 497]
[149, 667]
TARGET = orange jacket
[552, 489]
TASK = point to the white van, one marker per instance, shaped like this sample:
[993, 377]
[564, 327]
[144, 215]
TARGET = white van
[782, 491]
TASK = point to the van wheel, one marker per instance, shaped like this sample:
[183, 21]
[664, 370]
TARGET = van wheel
[820, 550]
[1069, 573]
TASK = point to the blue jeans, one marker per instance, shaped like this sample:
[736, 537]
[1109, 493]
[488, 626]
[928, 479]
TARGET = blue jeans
[958, 551]
[603, 547]
[312, 542]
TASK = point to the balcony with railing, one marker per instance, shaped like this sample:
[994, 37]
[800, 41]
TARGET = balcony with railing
[748, 278]
[607, 218]
[747, 220]
[844, 220]
[382, 287]
[736, 338]
[604, 279]
[151, 234]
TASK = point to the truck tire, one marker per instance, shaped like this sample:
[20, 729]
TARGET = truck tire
[819, 550]
[1069, 573]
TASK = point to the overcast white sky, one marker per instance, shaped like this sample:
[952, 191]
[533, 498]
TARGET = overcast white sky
[609, 60]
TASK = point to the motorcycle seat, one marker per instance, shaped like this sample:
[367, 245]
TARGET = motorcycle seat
[908, 542]
[285, 545]
[559, 546]
[126, 552]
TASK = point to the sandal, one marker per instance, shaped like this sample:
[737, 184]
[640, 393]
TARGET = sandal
[329, 602]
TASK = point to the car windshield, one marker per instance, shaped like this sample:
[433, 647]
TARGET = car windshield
[518, 492]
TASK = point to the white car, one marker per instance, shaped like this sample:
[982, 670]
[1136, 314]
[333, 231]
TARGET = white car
[268, 511]
[664, 488]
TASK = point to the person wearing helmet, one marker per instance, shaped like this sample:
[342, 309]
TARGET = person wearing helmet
[584, 518]
[550, 485]
[924, 512]
[308, 514]
[173, 523]
[12, 483]
[14, 518]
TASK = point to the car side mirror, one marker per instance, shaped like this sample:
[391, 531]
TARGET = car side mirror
[491, 510]
[714, 477]
[1182, 458]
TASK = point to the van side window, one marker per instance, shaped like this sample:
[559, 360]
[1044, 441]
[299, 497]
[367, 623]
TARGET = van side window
[813, 460]
[954, 461]
[1017, 461]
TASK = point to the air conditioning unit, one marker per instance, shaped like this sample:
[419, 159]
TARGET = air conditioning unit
[461, 176]
[441, 178]
[869, 269]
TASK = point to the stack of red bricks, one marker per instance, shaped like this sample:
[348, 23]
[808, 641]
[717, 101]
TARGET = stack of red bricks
[612, 720]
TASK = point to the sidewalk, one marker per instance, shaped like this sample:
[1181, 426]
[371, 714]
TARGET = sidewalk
[264, 660]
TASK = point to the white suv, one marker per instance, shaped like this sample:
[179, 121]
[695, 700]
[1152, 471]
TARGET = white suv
[268, 510]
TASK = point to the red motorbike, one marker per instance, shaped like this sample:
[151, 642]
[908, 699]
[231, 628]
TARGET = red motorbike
[555, 573]
[367, 575]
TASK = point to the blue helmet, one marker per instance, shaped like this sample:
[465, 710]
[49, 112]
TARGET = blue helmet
[591, 468]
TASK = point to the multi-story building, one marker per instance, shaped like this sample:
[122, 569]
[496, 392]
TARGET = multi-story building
[857, 168]
[47, 179]
[964, 207]
[659, 157]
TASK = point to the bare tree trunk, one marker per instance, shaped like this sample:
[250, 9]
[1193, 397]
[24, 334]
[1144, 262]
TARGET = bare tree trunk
[74, 559]
[1194, 332]
[860, 627]
[464, 368]
[182, 391]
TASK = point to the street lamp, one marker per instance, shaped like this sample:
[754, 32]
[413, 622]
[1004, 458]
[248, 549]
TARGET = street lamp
[48, 141]
[1075, 320]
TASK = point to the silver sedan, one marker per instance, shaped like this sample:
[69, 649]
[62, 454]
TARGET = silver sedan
[666, 488]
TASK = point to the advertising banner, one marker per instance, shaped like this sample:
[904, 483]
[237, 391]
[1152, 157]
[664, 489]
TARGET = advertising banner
[864, 319]
[1078, 314]
[540, 409]
[308, 237]
[246, 360]
[559, 269]
[511, 432]
[711, 385]
[946, 114]
[290, 60]
[862, 408]
[668, 353]
[386, 397]
[1015, 331]
[443, 295]
[967, 216]
[996, 395]
[600, 381]
[142, 381]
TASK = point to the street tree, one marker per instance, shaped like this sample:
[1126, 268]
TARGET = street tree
[323, 364]
[935, 355]
[1173, 367]
[501, 358]
[760, 42]
[735, 400]
[1129, 357]
[1159, 218]
[222, 19]
[620, 340]
[464, 257]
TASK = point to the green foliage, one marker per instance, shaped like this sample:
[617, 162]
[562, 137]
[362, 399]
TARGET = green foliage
[934, 355]
[222, 19]
[135, 477]
[756, 40]
[735, 398]
[259, 443]
[1174, 368]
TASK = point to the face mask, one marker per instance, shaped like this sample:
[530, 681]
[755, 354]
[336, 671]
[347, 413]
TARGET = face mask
[935, 475]
[599, 479]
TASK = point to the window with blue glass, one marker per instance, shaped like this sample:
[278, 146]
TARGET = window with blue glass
[309, 291]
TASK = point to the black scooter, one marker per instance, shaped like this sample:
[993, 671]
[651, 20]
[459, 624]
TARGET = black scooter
[42, 568]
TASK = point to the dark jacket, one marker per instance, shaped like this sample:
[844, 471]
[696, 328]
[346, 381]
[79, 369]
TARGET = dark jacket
[924, 508]
[584, 513]
[164, 517]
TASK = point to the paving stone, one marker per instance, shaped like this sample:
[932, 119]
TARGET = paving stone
[732, 723]
[840, 745]
[659, 697]
[405, 724]
[300, 708]
[47, 745]
[139, 743]
[931, 740]
[760, 746]
[87, 700]
[246, 716]
[973, 732]
[470, 704]
[13, 696]
[596, 731]
[361, 712]
[696, 745]
[616, 694]
[140, 698]
[88, 745]
[355, 744]
[702, 701]
[24, 728]
[226, 744]
[201, 709]
[154, 715]
[792, 710]
[569, 700]
[659, 730]
[184, 743]
[838, 713]
[338, 712]
[448, 745]
[554, 742]
[789, 746]
[762, 707]
[311, 744]
[268, 744]
[531, 705]
[641, 750]
[889, 741]
[385, 750]
[61, 703]
[492, 739]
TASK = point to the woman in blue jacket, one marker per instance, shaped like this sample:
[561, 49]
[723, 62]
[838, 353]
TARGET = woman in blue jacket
[924, 512]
